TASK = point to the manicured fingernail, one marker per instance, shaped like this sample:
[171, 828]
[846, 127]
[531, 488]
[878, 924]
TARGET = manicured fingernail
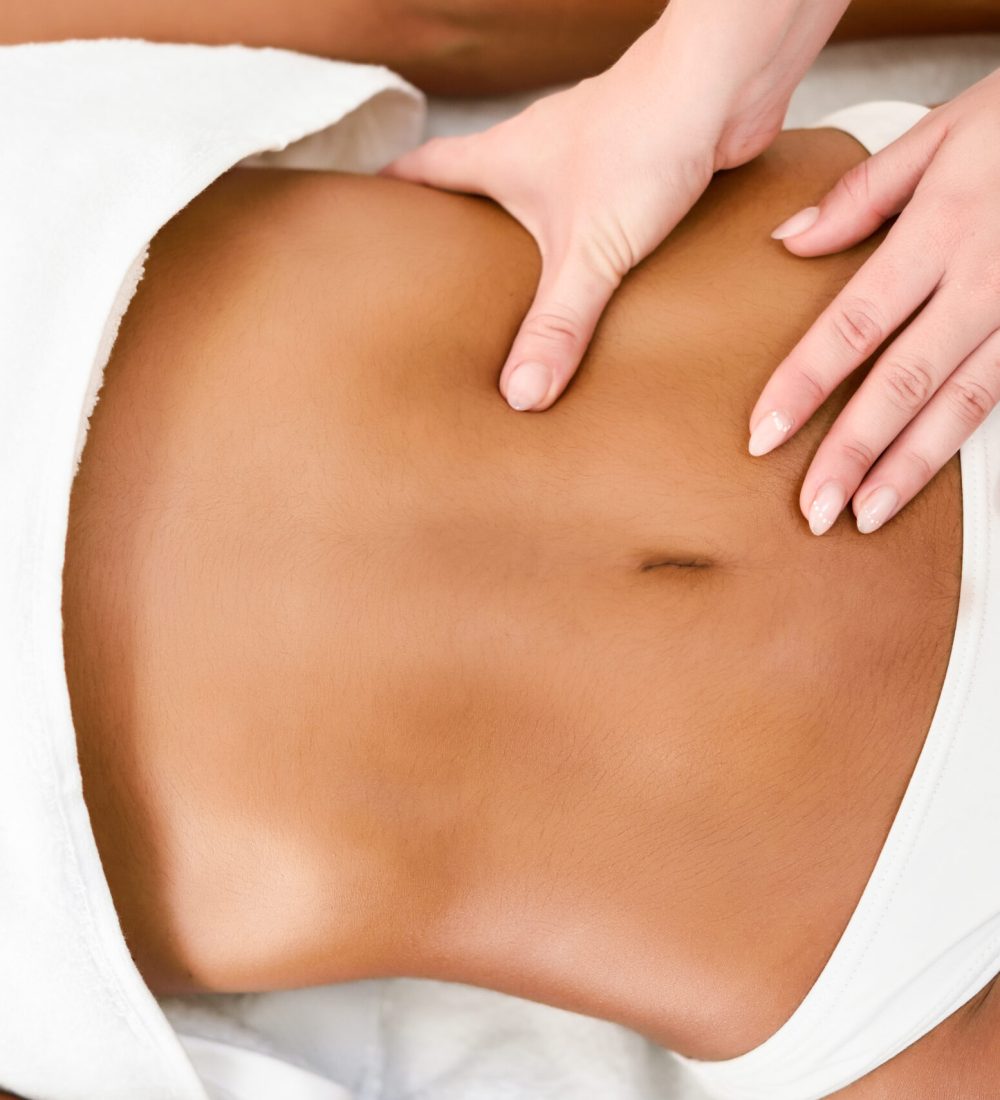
[527, 385]
[826, 507]
[797, 223]
[772, 430]
[879, 507]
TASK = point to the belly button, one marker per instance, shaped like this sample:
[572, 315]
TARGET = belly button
[672, 562]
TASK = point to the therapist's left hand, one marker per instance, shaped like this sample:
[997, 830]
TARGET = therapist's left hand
[937, 274]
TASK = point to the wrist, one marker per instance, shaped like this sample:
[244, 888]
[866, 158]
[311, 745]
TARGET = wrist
[735, 66]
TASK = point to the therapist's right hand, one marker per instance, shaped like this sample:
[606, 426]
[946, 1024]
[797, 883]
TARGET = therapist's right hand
[601, 173]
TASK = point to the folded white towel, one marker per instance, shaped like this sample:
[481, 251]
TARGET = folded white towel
[102, 143]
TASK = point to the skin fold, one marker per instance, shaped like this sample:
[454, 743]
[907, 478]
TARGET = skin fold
[450, 47]
[373, 676]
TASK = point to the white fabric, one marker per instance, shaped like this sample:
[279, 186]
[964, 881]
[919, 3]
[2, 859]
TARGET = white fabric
[422, 1040]
[102, 143]
[874, 124]
[925, 69]
[232, 1072]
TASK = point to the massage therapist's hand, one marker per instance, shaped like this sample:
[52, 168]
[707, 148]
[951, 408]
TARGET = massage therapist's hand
[601, 173]
[937, 274]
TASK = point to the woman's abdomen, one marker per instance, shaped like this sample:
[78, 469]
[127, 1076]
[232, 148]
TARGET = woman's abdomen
[395, 680]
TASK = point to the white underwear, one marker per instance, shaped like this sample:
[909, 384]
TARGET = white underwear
[103, 143]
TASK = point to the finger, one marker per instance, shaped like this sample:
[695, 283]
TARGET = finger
[454, 164]
[874, 190]
[957, 410]
[897, 388]
[555, 333]
[886, 290]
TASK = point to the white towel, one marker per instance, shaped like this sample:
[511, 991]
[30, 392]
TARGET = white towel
[101, 144]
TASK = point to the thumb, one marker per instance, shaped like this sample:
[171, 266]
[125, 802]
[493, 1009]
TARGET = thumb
[870, 193]
[554, 336]
[454, 164]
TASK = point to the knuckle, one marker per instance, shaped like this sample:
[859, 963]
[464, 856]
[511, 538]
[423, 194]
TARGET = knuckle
[856, 183]
[908, 382]
[971, 401]
[858, 186]
[858, 454]
[555, 325]
[607, 253]
[919, 464]
[812, 390]
[857, 328]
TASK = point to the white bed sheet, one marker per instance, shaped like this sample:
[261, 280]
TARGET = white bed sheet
[411, 1040]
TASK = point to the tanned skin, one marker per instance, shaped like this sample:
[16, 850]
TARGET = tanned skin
[372, 676]
[449, 47]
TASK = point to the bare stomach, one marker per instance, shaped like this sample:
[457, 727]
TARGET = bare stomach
[373, 676]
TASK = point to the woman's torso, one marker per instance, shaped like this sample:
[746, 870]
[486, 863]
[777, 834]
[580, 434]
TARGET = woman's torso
[382, 677]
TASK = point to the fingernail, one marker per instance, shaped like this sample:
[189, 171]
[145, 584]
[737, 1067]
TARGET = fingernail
[527, 385]
[879, 507]
[797, 223]
[827, 505]
[771, 431]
